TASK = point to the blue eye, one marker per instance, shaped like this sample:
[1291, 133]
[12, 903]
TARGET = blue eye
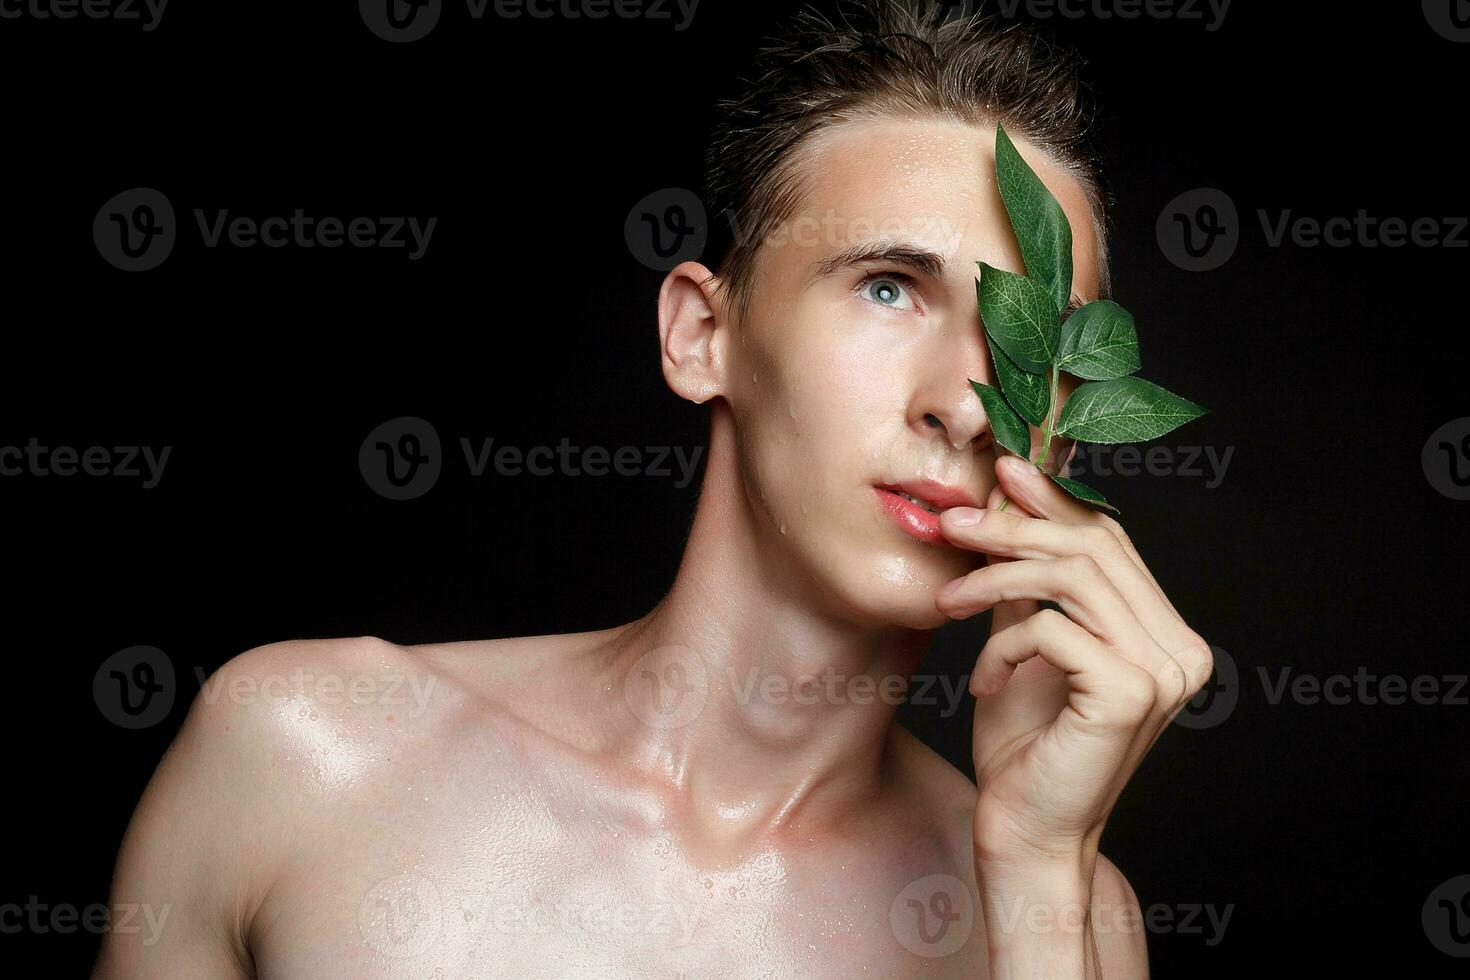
[887, 289]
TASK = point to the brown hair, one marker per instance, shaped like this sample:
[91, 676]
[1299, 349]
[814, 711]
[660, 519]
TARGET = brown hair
[887, 58]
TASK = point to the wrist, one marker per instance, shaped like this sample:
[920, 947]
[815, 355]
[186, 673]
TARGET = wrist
[1037, 912]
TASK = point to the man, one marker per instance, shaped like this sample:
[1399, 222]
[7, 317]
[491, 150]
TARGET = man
[690, 794]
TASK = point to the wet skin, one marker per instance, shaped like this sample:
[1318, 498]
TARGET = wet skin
[517, 808]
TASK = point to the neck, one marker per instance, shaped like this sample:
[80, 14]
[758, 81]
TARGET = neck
[760, 709]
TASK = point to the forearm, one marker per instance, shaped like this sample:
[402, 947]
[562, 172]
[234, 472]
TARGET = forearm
[1038, 917]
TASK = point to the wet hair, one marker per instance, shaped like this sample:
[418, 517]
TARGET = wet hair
[877, 59]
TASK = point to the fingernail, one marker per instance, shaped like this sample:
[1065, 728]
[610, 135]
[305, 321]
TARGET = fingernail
[963, 516]
[1019, 466]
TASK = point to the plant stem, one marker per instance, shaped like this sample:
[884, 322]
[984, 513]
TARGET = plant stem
[1048, 431]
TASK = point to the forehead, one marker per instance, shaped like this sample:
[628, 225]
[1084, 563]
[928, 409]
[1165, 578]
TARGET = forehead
[930, 182]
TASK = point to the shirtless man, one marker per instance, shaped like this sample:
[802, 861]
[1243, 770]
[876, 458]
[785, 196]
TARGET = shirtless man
[719, 788]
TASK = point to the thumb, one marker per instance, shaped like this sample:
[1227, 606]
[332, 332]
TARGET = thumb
[1011, 611]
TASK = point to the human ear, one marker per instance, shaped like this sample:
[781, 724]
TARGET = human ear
[690, 335]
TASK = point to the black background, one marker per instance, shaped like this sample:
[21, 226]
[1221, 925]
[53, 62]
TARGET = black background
[1324, 549]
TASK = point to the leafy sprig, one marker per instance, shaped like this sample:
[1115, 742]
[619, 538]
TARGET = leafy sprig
[1030, 344]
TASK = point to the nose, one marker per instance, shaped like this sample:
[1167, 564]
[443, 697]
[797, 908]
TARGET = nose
[944, 402]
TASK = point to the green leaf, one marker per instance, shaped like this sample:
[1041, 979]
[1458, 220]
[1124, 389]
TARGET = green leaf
[1040, 224]
[1010, 429]
[1019, 314]
[1083, 492]
[1099, 342]
[1029, 394]
[1123, 410]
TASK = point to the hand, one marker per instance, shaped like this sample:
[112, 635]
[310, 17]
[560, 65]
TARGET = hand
[1070, 701]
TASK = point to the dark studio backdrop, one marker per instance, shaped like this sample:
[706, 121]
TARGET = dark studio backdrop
[1311, 526]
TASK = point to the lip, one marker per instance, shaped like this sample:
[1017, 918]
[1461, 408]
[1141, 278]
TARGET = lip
[917, 521]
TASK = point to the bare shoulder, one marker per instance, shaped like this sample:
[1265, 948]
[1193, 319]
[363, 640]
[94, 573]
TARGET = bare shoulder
[251, 763]
[1122, 943]
[938, 788]
[935, 788]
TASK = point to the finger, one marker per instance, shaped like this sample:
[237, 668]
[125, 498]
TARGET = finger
[1005, 614]
[1106, 690]
[1076, 583]
[1016, 536]
[1039, 494]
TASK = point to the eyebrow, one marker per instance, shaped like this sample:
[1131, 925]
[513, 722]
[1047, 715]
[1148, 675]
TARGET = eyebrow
[905, 254]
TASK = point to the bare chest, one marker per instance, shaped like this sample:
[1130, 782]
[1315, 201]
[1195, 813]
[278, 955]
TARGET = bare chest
[485, 877]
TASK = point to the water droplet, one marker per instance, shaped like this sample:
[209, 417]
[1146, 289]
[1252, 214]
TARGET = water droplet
[783, 527]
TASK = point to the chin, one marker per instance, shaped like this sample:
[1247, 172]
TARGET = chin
[898, 590]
